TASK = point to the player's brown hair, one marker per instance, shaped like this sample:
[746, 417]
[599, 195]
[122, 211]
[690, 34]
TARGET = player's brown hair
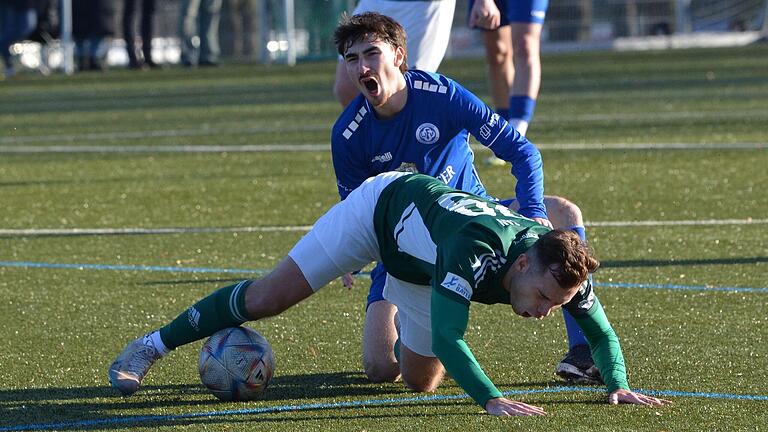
[370, 26]
[566, 256]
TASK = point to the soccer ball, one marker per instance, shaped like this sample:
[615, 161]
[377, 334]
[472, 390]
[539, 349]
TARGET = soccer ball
[236, 364]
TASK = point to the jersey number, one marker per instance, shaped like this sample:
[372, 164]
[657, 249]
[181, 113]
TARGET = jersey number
[470, 206]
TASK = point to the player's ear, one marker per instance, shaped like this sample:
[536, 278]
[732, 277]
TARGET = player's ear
[399, 56]
[522, 262]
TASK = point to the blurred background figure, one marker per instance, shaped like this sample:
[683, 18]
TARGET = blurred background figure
[138, 58]
[18, 18]
[241, 39]
[93, 23]
[513, 53]
[46, 32]
[199, 32]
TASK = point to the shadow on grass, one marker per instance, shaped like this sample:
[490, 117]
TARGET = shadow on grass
[314, 397]
[79, 406]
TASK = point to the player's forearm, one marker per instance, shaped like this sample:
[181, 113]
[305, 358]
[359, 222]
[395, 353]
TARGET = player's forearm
[605, 346]
[528, 169]
[449, 321]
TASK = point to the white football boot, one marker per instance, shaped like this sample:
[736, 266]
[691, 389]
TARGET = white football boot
[130, 367]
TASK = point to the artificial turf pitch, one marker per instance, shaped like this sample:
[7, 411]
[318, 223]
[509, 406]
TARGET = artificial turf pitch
[686, 291]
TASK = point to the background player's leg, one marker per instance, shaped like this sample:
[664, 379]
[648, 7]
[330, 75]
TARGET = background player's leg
[526, 42]
[498, 53]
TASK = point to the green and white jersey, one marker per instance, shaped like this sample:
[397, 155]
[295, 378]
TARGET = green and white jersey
[461, 245]
[431, 234]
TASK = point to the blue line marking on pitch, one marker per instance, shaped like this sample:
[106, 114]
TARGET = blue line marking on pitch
[172, 269]
[352, 404]
[679, 287]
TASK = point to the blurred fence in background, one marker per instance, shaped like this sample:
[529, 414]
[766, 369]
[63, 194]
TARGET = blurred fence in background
[570, 25]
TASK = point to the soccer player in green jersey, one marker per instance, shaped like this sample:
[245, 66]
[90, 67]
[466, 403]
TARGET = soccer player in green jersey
[443, 249]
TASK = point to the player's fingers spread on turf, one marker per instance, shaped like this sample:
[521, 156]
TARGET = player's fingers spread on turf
[656, 401]
[535, 409]
[529, 409]
[638, 399]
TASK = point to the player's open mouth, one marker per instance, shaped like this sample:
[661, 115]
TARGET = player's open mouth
[371, 85]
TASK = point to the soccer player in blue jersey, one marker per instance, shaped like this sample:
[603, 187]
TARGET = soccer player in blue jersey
[444, 249]
[428, 25]
[411, 120]
[512, 39]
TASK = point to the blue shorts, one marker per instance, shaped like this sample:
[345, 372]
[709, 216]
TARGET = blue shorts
[378, 277]
[379, 273]
[520, 11]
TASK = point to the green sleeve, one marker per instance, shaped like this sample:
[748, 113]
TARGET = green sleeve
[606, 350]
[449, 322]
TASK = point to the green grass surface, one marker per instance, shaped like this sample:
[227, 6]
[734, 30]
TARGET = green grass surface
[60, 328]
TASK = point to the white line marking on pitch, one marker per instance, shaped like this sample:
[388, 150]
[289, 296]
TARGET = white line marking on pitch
[304, 228]
[316, 147]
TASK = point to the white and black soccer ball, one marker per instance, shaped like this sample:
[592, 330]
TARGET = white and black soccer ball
[236, 364]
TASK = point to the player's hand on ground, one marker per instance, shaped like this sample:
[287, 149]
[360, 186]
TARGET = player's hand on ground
[630, 397]
[484, 14]
[348, 280]
[505, 407]
[544, 222]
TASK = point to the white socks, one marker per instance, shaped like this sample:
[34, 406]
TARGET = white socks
[157, 342]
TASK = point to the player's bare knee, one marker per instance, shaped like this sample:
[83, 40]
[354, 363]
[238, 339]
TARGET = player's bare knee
[497, 55]
[524, 48]
[382, 372]
[422, 384]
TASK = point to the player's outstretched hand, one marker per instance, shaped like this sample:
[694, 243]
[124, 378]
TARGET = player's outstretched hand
[544, 222]
[505, 407]
[630, 397]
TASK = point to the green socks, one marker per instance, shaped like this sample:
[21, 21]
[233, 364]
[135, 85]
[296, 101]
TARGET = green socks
[224, 308]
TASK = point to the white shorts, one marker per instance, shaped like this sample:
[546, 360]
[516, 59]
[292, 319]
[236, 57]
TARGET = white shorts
[343, 239]
[414, 307]
[427, 25]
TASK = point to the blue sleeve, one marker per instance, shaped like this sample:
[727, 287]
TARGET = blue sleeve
[350, 168]
[494, 132]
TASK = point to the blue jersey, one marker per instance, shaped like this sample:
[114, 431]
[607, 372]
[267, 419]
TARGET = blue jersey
[431, 136]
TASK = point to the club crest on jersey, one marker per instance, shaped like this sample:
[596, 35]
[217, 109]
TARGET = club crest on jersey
[427, 133]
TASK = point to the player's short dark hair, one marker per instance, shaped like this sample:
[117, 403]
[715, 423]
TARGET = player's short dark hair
[373, 26]
[566, 256]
